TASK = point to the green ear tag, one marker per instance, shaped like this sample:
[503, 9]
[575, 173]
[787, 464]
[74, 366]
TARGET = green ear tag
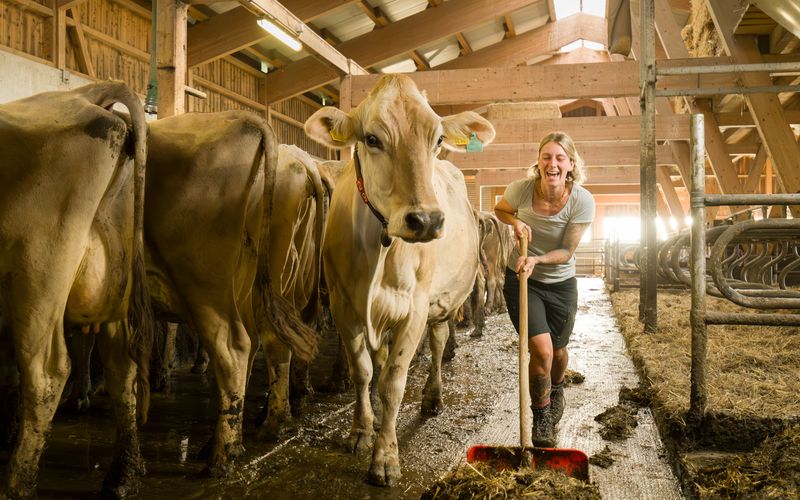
[474, 145]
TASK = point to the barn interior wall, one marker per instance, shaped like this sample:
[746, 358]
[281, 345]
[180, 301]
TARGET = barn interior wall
[117, 40]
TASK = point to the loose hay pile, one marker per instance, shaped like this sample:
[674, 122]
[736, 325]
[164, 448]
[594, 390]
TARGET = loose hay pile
[771, 471]
[481, 481]
[617, 422]
[603, 459]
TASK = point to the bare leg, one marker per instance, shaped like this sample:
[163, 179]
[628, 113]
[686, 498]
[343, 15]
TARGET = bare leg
[541, 363]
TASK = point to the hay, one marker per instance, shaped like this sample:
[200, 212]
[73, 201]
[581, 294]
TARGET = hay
[751, 372]
[603, 459]
[522, 110]
[770, 471]
[700, 35]
[481, 481]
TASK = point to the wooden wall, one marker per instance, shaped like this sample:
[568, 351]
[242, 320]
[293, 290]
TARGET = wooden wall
[104, 39]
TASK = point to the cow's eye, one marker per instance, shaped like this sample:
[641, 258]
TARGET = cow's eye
[373, 141]
[440, 141]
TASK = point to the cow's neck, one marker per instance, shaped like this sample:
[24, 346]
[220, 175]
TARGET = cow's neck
[386, 240]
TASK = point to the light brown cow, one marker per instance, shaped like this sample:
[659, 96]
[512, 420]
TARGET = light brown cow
[71, 202]
[296, 230]
[415, 266]
[496, 245]
[209, 194]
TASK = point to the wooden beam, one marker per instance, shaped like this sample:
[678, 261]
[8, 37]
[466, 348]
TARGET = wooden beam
[399, 37]
[68, 4]
[78, 39]
[670, 195]
[766, 109]
[463, 43]
[534, 43]
[508, 27]
[171, 57]
[544, 83]
[221, 35]
[309, 11]
[596, 155]
[551, 10]
[60, 34]
[589, 128]
[756, 170]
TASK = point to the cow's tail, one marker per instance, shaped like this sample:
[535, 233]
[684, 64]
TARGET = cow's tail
[314, 307]
[139, 337]
[284, 318]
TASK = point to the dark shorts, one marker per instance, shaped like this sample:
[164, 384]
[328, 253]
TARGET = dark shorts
[551, 307]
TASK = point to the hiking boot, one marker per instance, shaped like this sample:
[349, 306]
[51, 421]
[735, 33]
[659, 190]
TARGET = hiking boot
[544, 434]
[557, 402]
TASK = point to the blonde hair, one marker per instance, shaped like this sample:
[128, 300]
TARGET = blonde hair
[578, 174]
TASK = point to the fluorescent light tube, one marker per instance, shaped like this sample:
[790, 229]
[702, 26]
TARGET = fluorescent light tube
[281, 35]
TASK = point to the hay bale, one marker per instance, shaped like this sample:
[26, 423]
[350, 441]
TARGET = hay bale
[522, 110]
[481, 481]
[700, 35]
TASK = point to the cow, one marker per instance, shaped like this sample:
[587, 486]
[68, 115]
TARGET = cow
[296, 231]
[71, 214]
[401, 247]
[210, 184]
[473, 311]
[495, 248]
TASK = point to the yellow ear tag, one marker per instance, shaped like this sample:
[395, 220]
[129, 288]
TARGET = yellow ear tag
[461, 141]
[337, 137]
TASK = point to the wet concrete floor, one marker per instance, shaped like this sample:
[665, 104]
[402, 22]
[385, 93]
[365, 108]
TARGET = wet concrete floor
[310, 462]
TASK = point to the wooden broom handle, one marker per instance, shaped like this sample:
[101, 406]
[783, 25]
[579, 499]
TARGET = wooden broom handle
[525, 413]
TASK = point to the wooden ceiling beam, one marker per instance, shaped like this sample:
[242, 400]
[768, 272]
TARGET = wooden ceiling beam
[377, 16]
[546, 83]
[589, 128]
[397, 38]
[508, 27]
[309, 11]
[463, 44]
[221, 35]
[534, 43]
[766, 109]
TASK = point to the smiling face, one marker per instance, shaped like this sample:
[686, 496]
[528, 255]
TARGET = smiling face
[554, 164]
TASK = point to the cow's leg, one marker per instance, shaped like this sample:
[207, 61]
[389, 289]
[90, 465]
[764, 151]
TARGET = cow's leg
[278, 358]
[9, 389]
[338, 381]
[80, 347]
[477, 300]
[299, 385]
[44, 367]
[450, 346]
[362, 432]
[122, 479]
[432, 394]
[201, 360]
[226, 340]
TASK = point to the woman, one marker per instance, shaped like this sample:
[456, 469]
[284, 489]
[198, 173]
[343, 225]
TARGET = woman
[553, 210]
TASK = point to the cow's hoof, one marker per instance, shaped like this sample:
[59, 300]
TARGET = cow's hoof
[476, 333]
[360, 442]
[384, 473]
[432, 407]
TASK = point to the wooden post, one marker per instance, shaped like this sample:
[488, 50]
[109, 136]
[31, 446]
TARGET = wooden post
[647, 167]
[345, 104]
[697, 318]
[171, 57]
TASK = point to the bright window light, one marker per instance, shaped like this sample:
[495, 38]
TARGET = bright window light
[593, 45]
[621, 228]
[688, 221]
[587, 235]
[571, 46]
[593, 7]
[281, 35]
[565, 8]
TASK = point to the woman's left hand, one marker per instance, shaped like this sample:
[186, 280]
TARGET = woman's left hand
[525, 266]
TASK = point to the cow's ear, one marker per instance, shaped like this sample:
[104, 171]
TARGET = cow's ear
[331, 127]
[459, 128]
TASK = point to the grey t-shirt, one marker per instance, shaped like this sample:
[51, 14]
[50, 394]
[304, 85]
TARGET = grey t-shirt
[548, 231]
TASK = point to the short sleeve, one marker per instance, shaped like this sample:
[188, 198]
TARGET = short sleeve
[514, 193]
[584, 209]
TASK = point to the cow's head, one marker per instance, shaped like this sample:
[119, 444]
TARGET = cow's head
[398, 136]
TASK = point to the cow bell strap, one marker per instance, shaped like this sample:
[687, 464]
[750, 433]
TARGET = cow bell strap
[386, 240]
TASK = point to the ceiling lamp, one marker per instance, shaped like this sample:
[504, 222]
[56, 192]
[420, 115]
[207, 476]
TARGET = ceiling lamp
[273, 29]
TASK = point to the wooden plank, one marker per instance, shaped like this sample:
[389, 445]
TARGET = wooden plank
[589, 128]
[221, 35]
[400, 37]
[670, 195]
[766, 109]
[61, 38]
[68, 4]
[593, 154]
[79, 41]
[309, 11]
[756, 170]
[219, 89]
[112, 42]
[534, 43]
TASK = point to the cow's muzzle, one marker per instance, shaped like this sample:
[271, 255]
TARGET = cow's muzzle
[425, 225]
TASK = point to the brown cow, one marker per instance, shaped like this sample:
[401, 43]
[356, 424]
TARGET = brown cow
[207, 225]
[406, 259]
[72, 182]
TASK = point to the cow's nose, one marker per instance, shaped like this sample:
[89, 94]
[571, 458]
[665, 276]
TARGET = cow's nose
[417, 221]
[425, 225]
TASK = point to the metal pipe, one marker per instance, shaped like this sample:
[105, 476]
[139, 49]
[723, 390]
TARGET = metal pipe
[764, 89]
[729, 68]
[715, 318]
[698, 396]
[715, 200]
